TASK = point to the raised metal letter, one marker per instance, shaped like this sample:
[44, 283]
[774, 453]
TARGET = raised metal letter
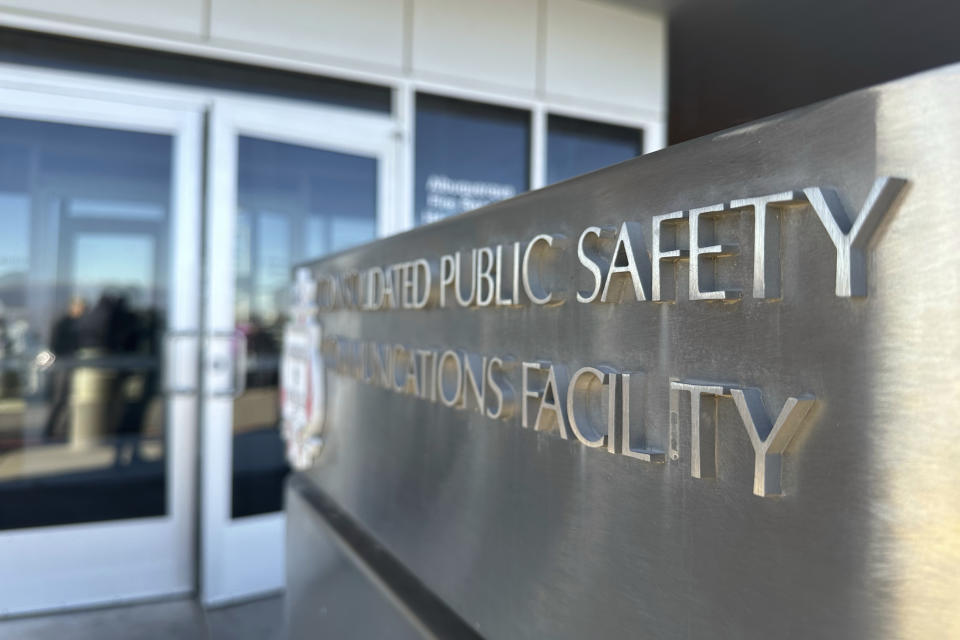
[591, 263]
[851, 237]
[552, 402]
[584, 382]
[769, 441]
[766, 239]
[443, 387]
[626, 261]
[533, 288]
[713, 251]
[458, 275]
[484, 276]
[703, 425]
[661, 255]
[447, 274]
[645, 454]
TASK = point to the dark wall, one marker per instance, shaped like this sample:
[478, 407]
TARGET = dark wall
[733, 61]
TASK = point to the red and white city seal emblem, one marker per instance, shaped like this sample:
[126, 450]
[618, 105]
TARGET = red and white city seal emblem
[302, 400]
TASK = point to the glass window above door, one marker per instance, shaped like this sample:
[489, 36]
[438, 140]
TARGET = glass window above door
[467, 155]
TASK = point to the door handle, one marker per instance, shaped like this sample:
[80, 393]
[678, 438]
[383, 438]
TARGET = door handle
[239, 363]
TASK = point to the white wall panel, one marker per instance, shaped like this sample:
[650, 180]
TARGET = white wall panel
[605, 54]
[494, 41]
[181, 16]
[369, 31]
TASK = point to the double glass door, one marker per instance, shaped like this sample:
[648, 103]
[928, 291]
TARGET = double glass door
[140, 329]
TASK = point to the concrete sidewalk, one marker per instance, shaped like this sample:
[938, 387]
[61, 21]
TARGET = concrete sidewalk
[171, 619]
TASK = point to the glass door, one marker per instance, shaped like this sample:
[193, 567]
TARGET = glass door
[99, 318]
[288, 184]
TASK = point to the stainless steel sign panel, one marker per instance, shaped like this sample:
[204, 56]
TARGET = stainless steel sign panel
[711, 392]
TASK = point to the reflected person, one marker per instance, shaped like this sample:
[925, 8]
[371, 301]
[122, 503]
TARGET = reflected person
[64, 342]
[93, 388]
[138, 381]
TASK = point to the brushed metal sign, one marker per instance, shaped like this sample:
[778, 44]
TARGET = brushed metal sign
[709, 392]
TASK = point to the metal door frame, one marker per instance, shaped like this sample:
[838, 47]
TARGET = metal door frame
[243, 557]
[66, 566]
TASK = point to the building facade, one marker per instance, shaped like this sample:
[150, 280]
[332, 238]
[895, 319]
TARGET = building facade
[163, 168]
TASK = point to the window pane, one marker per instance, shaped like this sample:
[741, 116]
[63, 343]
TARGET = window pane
[295, 203]
[84, 219]
[468, 155]
[95, 260]
[575, 147]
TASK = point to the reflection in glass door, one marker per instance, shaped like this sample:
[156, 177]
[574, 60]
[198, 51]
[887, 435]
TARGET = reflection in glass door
[80, 318]
[293, 203]
[95, 477]
[305, 182]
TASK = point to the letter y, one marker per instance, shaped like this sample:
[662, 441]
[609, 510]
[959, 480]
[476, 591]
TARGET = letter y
[851, 237]
[769, 441]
